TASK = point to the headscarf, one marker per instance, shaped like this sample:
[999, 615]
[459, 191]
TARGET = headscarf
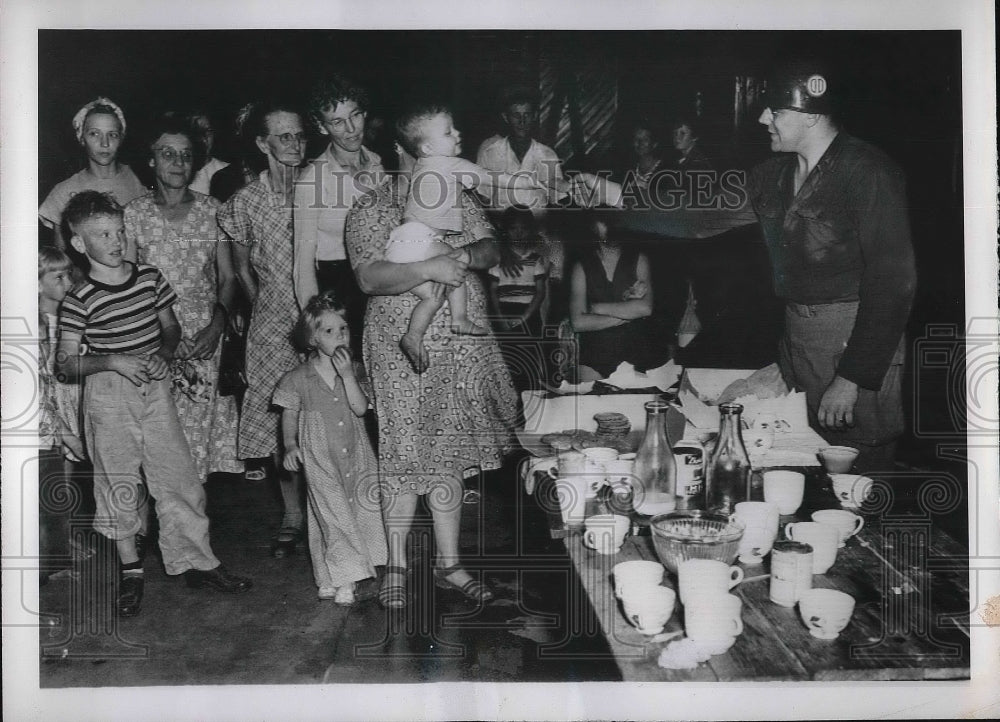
[81, 114]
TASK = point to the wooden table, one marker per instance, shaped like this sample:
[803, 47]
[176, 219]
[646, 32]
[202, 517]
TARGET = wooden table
[909, 580]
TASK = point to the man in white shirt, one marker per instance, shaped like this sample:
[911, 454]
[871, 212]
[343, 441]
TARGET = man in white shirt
[324, 193]
[202, 124]
[519, 152]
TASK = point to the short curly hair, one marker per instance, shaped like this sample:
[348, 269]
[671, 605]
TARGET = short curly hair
[88, 204]
[334, 89]
[305, 327]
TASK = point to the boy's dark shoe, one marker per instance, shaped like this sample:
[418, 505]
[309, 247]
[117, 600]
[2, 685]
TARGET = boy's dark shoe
[130, 594]
[218, 578]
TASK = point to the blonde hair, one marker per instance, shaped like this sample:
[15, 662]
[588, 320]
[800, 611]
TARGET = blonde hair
[305, 327]
[52, 259]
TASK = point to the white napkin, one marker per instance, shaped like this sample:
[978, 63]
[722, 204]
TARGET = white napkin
[626, 377]
[582, 388]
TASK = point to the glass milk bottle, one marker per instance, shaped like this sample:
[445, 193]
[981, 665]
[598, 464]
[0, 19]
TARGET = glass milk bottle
[728, 479]
[655, 471]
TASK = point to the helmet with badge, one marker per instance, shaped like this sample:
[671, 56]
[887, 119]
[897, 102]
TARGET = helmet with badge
[801, 86]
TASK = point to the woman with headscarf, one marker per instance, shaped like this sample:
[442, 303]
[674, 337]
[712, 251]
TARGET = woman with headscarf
[99, 127]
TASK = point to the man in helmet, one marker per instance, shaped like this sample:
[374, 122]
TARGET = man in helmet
[833, 211]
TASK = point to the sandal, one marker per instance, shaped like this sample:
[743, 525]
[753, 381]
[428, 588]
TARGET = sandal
[284, 543]
[392, 595]
[472, 590]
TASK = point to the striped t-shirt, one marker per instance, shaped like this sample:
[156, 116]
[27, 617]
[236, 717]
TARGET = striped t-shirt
[118, 319]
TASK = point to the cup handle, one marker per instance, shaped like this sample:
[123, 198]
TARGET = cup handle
[540, 465]
[789, 531]
[735, 576]
[738, 622]
[817, 622]
[858, 525]
[588, 539]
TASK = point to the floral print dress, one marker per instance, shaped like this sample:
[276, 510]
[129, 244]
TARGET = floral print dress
[456, 417]
[185, 253]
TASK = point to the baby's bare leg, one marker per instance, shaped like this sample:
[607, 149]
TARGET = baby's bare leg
[412, 342]
[457, 302]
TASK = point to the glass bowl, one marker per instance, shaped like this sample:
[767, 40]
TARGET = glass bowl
[695, 534]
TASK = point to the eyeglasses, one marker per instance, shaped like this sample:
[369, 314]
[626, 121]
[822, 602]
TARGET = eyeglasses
[170, 155]
[340, 123]
[289, 138]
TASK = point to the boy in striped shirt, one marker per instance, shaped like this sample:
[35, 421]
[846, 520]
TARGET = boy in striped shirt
[124, 312]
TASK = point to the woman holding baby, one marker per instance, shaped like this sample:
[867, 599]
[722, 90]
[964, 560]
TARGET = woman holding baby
[441, 426]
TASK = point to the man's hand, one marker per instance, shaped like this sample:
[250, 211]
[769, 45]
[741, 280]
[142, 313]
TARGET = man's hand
[836, 408]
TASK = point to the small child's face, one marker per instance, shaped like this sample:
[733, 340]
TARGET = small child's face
[331, 333]
[102, 239]
[440, 137]
[520, 231]
[55, 284]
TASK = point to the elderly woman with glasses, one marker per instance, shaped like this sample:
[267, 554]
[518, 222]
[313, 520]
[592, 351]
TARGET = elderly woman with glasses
[258, 221]
[174, 229]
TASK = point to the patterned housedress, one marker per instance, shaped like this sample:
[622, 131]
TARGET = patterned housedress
[455, 418]
[258, 218]
[344, 520]
[185, 254]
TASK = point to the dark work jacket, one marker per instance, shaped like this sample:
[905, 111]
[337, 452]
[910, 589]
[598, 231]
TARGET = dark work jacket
[844, 237]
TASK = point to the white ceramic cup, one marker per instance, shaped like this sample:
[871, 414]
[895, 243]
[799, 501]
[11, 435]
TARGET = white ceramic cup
[595, 465]
[605, 533]
[838, 459]
[706, 576]
[784, 489]
[572, 494]
[847, 523]
[620, 474]
[565, 463]
[825, 611]
[648, 608]
[761, 519]
[636, 573]
[714, 620]
[851, 490]
[823, 538]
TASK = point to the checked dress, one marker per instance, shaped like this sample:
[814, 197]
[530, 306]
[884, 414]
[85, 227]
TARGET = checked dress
[258, 217]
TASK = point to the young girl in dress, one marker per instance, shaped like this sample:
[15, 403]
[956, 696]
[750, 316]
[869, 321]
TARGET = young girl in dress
[322, 406]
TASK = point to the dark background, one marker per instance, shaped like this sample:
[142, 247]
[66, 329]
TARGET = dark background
[901, 91]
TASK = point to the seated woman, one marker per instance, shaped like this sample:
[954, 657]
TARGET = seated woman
[610, 304]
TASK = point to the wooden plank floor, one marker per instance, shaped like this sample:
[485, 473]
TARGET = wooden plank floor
[279, 633]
